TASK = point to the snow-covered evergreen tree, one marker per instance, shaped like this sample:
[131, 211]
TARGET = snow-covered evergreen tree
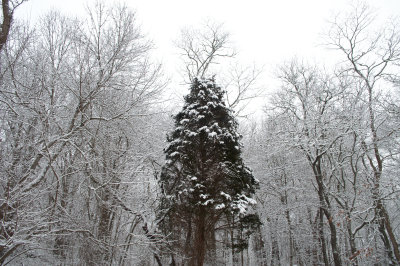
[206, 187]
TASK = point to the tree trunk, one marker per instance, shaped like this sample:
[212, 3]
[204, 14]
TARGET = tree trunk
[291, 248]
[390, 233]
[312, 252]
[334, 245]
[353, 249]
[385, 228]
[6, 25]
[322, 237]
[199, 247]
[187, 250]
[384, 221]
[212, 247]
[234, 259]
[325, 208]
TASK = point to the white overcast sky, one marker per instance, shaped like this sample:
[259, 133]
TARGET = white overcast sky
[265, 32]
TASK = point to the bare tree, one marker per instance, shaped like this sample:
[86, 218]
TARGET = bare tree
[70, 98]
[202, 48]
[370, 58]
[242, 86]
[8, 8]
[307, 97]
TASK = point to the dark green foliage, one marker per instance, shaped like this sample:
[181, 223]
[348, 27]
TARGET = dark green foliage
[250, 222]
[204, 177]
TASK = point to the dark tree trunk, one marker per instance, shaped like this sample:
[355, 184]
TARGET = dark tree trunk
[6, 25]
[325, 208]
[188, 242]
[377, 167]
[199, 246]
[334, 245]
[385, 228]
[312, 252]
[322, 237]
[212, 246]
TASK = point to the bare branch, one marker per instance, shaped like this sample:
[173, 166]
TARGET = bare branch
[202, 48]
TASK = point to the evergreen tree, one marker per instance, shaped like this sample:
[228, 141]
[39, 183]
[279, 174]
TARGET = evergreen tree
[204, 181]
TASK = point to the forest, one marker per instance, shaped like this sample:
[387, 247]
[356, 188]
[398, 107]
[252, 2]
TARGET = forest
[98, 166]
